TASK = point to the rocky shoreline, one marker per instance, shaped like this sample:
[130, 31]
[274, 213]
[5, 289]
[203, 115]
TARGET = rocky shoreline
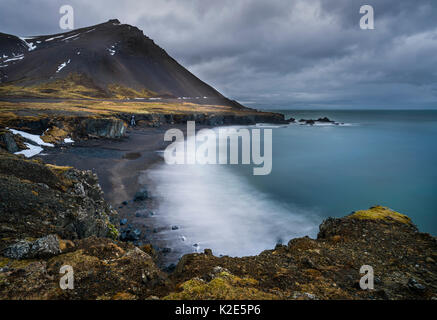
[60, 218]
[54, 215]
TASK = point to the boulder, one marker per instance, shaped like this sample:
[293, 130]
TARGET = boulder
[41, 248]
[141, 195]
[7, 141]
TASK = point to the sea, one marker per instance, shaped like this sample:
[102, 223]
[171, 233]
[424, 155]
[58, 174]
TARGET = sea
[376, 157]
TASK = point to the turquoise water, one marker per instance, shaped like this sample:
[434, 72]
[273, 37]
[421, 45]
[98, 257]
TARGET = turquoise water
[383, 157]
[379, 157]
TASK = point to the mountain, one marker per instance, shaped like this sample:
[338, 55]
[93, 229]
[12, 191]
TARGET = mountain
[108, 60]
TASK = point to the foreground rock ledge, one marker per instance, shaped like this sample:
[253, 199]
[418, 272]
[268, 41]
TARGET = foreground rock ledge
[54, 216]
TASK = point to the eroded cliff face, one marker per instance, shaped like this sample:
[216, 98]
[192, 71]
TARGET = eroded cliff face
[207, 119]
[56, 129]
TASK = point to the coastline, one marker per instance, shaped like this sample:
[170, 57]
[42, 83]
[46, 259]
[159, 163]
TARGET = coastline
[304, 269]
[119, 174]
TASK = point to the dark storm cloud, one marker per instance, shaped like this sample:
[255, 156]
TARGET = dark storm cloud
[276, 52]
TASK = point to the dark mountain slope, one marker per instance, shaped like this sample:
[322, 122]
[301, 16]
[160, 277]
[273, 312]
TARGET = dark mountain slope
[106, 54]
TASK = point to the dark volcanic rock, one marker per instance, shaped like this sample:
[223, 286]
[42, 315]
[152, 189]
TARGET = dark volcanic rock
[103, 128]
[7, 141]
[41, 248]
[130, 235]
[141, 195]
[325, 268]
[39, 199]
[131, 274]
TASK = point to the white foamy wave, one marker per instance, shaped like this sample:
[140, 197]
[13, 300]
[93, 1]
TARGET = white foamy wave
[216, 208]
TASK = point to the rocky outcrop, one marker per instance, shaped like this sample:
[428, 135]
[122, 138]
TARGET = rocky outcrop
[7, 142]
[102, 128]
[207, 119]
[39, 199]
[103, 269]
[43, 247]
[55, 130]
[403, 261]
[78, 128]
[324, 120]
[52, 216]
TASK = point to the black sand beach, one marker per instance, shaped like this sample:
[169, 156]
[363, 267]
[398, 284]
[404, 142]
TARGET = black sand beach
[119, 164]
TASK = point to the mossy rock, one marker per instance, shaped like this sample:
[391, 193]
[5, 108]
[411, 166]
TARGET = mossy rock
[380, 213]
[224, 286]
[113, 233]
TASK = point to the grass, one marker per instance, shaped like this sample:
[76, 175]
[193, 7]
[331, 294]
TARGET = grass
[54, 135]
[11, 112]
[74, 86]
[224, 287]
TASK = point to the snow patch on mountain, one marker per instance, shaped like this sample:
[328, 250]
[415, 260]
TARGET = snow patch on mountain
[15, 58]
[63, 65]
[50, 39]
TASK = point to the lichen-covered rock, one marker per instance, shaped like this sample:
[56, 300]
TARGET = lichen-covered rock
[223, 286]
[380, 213]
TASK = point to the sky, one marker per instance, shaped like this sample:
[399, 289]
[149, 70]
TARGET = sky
[275, 53]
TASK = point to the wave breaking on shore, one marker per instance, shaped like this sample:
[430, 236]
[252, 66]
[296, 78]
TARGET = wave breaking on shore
[212, 206]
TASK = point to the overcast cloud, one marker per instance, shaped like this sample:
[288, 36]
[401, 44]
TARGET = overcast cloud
[270, 53]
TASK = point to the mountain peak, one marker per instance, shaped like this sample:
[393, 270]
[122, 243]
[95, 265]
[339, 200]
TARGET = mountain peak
[106, 55]
[114, 21]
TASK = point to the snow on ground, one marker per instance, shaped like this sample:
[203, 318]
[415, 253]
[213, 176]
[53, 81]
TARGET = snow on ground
[19, 57]
[32, 137]
[71, 37]
[68, 140]
[30, 45]
[63, 65]
[50, 39]
[111, 50]
[32, 151]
